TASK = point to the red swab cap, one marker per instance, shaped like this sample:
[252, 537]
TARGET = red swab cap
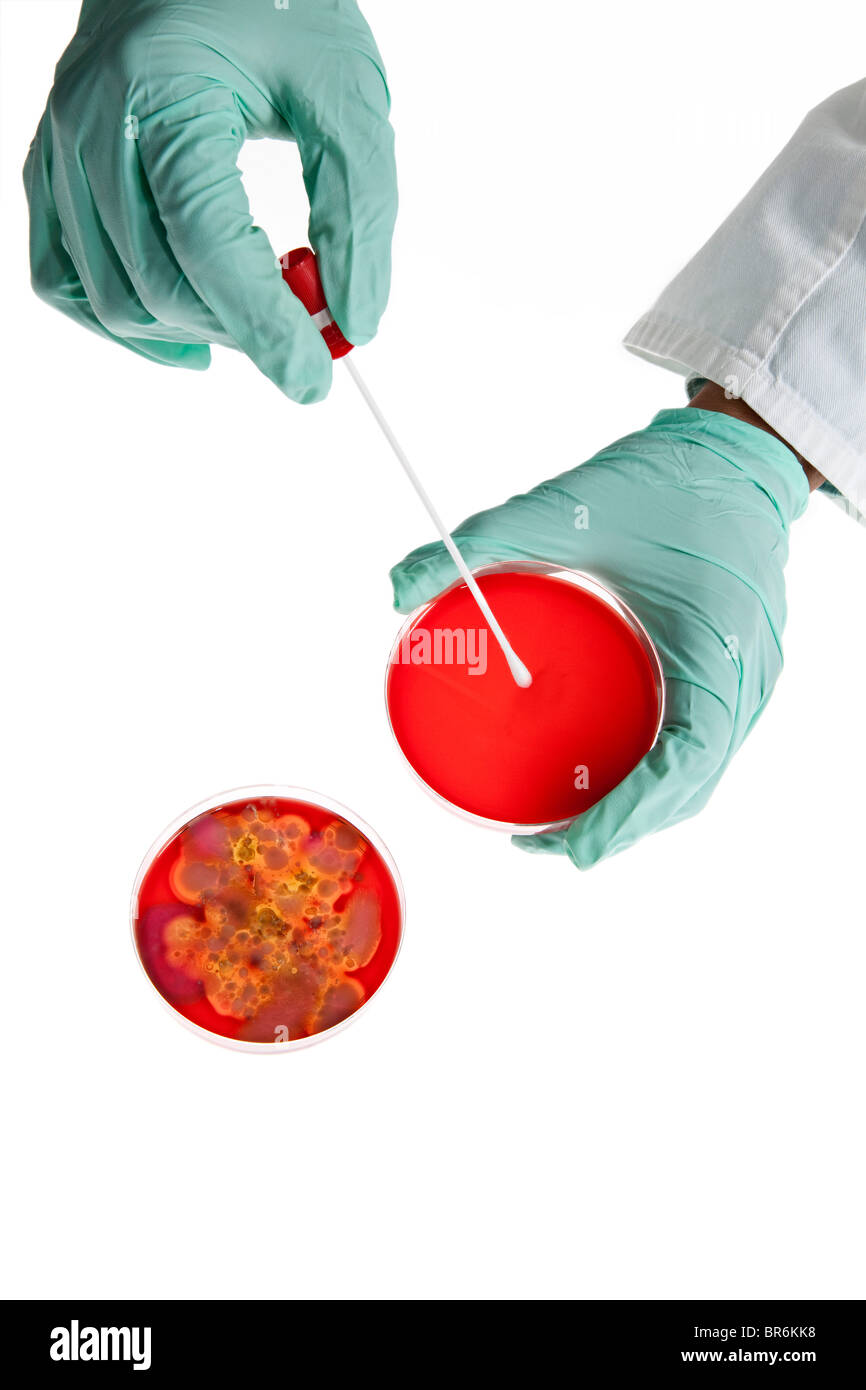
[301, 274]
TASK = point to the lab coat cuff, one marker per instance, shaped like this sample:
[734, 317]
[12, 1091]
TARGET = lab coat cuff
[687, 350]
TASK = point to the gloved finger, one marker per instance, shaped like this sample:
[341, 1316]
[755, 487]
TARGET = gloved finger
[539, 525]
[674, 780]
[346, 143]
[141, 279]
[548, 842]
[189, 153]
[485, 539]
[55, 278]
[430, 569]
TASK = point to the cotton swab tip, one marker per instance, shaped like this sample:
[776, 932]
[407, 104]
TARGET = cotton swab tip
[520, 672]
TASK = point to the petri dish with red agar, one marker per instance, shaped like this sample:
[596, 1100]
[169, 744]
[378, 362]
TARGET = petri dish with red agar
[524, 760]
[267, 918]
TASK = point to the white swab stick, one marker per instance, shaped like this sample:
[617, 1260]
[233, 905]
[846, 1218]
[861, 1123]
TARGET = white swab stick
[515, 665]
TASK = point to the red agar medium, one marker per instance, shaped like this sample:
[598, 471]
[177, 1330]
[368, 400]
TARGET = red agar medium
[525, 758]
[267, 919]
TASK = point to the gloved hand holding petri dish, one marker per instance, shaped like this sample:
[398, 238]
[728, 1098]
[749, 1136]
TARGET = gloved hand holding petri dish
[687, 523]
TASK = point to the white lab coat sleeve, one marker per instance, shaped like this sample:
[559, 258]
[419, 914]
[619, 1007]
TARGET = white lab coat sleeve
[773, 307]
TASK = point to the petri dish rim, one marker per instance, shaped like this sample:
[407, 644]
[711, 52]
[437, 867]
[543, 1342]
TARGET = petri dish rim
[325, 803]
[581, 580]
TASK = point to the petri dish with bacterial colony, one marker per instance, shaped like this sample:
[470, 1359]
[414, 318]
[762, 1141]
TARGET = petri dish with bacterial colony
[524, 760]
[267, 918]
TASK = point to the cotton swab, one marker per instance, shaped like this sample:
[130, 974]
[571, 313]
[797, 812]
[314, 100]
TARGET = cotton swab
[301, 274]
[515, 665]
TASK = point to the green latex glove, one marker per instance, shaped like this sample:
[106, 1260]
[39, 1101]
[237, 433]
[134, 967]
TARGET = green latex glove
[140, 226]
[688, 522]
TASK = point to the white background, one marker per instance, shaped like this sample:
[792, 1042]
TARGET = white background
[644, 1081]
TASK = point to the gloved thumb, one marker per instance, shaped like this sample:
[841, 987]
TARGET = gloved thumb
[421, 576]
[429, 569]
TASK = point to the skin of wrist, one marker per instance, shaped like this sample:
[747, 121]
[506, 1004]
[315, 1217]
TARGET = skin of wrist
[713, 397]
